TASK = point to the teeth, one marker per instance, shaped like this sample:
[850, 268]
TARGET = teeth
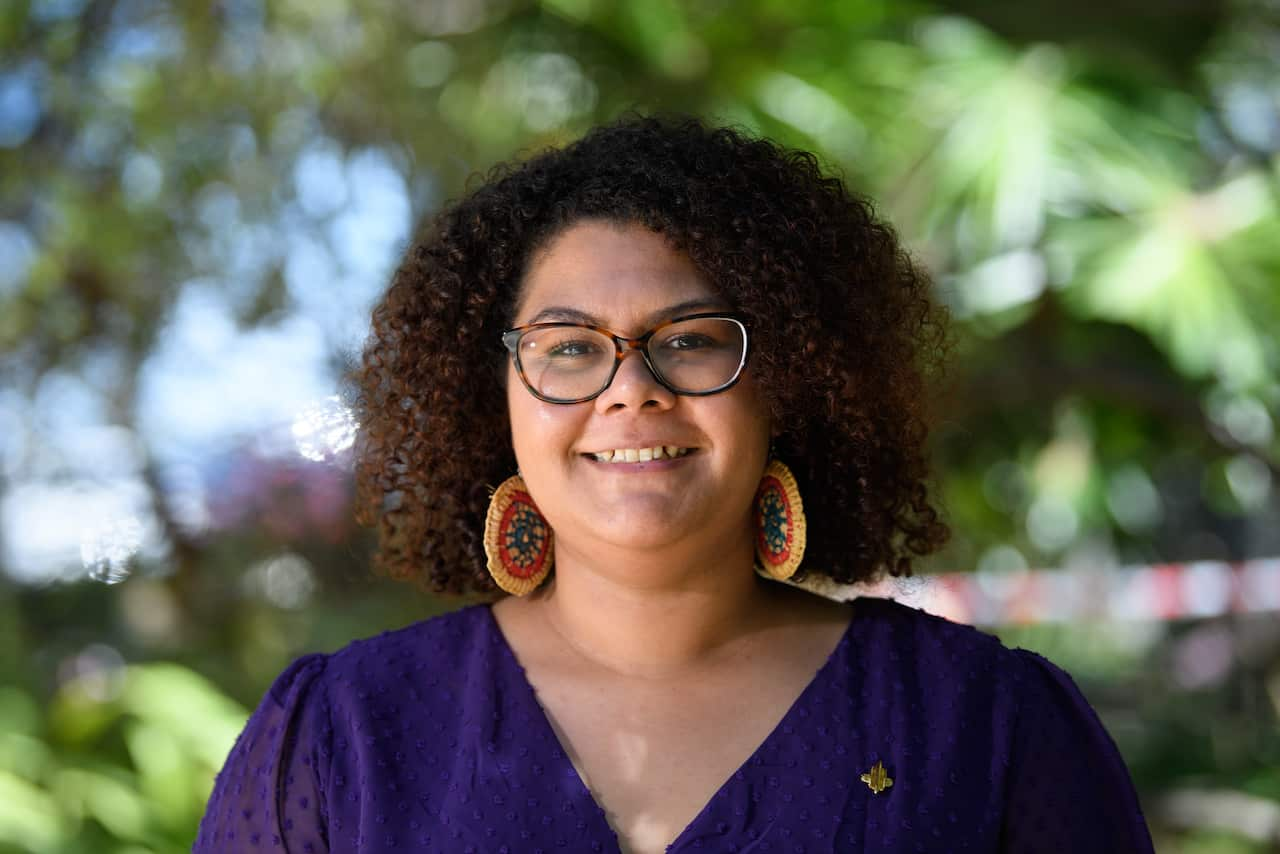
[638, 455]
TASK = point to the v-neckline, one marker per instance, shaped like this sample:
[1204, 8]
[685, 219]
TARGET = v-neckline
[570, 771]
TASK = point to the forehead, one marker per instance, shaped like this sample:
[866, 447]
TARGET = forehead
[615, 273]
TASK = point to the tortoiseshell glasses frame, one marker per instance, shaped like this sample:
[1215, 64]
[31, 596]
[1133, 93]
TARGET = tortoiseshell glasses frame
[622, 344]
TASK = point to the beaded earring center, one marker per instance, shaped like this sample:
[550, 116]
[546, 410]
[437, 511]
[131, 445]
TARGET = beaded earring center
[523, 538]
[774, 521]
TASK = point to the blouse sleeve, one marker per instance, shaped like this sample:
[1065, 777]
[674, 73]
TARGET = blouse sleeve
[1068, 789]
[269, 795]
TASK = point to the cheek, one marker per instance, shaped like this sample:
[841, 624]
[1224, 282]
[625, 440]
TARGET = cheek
[521, 410]
[754, 397]
[747, 414]
[539, 431]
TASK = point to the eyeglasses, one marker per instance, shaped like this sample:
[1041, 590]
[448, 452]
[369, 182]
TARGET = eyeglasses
[695, 354]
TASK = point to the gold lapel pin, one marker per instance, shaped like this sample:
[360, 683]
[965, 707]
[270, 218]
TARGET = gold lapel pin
[877, 779]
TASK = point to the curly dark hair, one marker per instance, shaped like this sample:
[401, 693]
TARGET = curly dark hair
[845, 337]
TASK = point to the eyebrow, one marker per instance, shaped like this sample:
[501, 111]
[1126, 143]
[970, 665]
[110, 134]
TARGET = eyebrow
[554, 313]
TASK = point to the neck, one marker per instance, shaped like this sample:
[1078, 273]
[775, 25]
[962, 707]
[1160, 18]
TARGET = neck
[653, 615]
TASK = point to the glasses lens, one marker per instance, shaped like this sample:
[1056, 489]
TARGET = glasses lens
[566, 362]
[700, 354]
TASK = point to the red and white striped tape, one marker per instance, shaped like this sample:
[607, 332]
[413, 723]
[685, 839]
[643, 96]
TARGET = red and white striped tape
[1168, 591]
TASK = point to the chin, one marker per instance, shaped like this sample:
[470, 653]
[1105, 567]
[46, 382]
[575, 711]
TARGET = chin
[643, 530]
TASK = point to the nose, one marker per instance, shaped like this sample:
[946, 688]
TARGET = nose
[634, 387]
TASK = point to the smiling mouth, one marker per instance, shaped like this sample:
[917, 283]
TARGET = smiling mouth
[641, 455]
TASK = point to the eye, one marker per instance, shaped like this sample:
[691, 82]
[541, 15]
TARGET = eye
[688, 341]
[572, 348]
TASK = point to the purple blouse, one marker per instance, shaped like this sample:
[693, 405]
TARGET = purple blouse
[430, 738]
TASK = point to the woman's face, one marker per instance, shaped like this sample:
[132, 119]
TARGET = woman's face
[628, 279]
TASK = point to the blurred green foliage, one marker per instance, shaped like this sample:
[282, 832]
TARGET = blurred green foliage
[120, 761]
[1096, 188]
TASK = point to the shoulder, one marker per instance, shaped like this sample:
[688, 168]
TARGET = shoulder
[1064, 784]
[929, 637]
[367, 684]
[423, 645]
[430, 644]
[906, 629]
[948, 657]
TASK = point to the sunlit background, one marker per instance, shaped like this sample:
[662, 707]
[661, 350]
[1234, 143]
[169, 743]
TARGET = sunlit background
[200, 202]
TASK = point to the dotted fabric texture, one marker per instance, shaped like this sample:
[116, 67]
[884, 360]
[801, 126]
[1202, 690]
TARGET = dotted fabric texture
[430, 738]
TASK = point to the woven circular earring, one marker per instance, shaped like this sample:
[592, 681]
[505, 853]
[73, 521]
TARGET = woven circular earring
[517, 540]
[780, 524]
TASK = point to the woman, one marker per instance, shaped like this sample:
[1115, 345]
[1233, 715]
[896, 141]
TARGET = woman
[678, 353]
